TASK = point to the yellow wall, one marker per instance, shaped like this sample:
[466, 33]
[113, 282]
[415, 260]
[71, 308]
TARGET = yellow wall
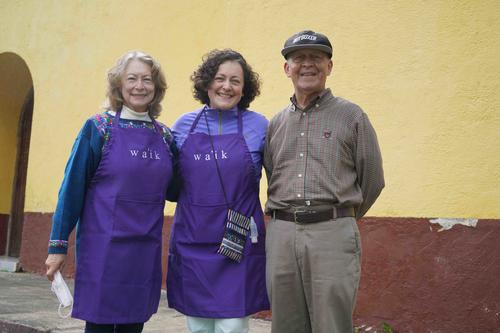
[426, 72]
[14, 84]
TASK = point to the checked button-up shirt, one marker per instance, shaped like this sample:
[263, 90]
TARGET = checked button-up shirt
[324, 155]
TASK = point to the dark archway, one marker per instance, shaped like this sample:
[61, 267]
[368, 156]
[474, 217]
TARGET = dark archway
[15, 226]
[16, 111]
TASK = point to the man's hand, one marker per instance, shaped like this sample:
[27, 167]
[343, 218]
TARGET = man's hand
[54, 263]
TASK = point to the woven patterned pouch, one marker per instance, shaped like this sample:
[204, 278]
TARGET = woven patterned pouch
[235, 235]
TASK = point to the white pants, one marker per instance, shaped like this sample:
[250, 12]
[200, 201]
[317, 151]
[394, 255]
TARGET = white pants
[210, 325]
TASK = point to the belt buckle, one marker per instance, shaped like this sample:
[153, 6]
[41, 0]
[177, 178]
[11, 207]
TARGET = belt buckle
[295, 215]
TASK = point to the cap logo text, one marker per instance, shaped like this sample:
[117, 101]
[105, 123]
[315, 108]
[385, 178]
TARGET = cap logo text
[302, 37]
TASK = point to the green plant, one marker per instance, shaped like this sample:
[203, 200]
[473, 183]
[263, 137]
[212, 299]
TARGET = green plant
[386, 328]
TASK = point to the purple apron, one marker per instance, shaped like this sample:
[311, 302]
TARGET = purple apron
[201, 282]
[118, 274]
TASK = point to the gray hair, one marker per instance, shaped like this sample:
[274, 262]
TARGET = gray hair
[114, 94]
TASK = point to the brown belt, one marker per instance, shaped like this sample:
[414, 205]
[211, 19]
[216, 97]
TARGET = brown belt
[312, 216]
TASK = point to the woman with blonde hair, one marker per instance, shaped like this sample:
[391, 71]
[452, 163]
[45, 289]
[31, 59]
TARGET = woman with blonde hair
[114, 190]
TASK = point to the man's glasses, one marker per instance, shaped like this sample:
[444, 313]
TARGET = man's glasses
[302, 58]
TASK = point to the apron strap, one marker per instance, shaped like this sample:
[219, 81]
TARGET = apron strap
[205, 108]
[240, 122]
[157, 127]
[159, 131]
[195, 122]
[116, 121]
[155, 123]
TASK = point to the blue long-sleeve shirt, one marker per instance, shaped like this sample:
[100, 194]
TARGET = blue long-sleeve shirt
[81, 167]
[226, 122]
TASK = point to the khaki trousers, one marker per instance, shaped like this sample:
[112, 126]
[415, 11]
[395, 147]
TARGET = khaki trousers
[312, 275]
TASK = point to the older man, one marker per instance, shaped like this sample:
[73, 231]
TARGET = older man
[325, 171]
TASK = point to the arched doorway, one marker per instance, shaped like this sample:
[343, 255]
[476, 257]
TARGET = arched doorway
[16, 110]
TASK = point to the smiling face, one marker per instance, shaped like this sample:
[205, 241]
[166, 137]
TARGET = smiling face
[308, 69]
[138, 89]
[226, 89]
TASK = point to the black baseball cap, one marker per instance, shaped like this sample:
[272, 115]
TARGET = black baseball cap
[307, 39]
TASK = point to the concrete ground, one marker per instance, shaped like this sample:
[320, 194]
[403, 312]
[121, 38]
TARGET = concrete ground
[27, 305]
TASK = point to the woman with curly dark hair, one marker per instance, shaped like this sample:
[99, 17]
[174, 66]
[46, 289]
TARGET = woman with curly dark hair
[216, 265]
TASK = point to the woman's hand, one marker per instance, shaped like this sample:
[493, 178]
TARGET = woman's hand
[54, 263]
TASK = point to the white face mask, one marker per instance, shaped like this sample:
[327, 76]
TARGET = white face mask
[60, 288]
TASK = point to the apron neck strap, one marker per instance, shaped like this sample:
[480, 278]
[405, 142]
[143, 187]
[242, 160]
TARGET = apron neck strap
[117, 121]
[205, 109]
[195, 122]
[240, 122]
[157, 126]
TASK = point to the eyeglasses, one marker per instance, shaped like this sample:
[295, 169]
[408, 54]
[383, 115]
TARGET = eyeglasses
[302, 58]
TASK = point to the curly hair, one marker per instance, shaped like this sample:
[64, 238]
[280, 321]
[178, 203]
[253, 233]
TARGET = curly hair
[114, 93]
[204, 75]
